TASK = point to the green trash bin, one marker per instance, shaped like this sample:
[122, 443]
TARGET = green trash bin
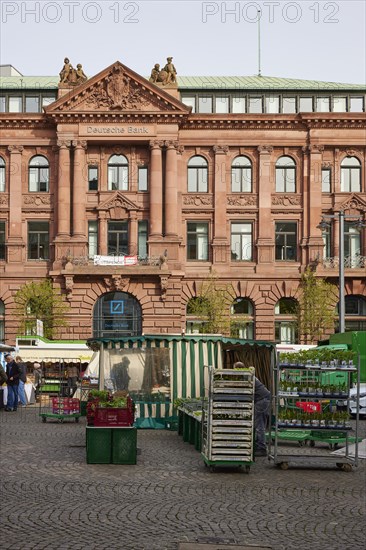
[98, 445]
[124, 445]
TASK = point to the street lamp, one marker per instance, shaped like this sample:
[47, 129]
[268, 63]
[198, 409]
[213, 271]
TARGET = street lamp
[323, 225]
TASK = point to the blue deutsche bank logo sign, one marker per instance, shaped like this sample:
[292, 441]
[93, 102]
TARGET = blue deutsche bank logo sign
[117, 307]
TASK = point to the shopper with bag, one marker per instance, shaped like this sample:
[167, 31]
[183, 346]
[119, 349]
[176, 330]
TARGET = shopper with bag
[22, 380]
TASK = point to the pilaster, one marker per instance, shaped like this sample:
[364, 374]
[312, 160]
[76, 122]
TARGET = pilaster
[220, 242]
[265, 241]
[15, 242]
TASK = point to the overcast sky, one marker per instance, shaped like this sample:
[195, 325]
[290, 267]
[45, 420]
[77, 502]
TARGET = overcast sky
[318, 40]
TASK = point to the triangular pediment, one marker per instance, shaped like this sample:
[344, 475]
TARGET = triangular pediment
[354, 203]
[117, 89]
[118, 201]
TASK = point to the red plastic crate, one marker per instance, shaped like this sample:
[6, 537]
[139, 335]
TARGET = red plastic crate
[113, 417]
[309, 406]
[65, 405]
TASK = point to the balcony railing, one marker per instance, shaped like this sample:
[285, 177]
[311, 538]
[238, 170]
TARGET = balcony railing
[350, 262]
[140, 260]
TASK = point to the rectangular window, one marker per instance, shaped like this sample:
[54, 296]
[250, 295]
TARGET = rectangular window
[38, 240]
[306, 105]
[15, 104]
[222, 104]
[272, 104]
[93, 178]
[241, 241]
[142, 239]
[2, 177]
[47, 101]
[204, 104]
[286, 241]
[142, 178]
[2, 240]
[197, 241]
[190, 101]
[356, 105]
[197, 180]
[93, 238]
[117, 238]
[38, 179]
[238, 104]
[286, 332]
[326, 180]
[352, 243]
[327, 249]
[289, 105]
[2, 104]
[255, 105]
[339, 104]
[32, 104]
[322, 104]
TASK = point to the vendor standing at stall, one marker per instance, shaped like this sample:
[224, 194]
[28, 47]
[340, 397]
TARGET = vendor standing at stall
[13, 374]
[72, 373]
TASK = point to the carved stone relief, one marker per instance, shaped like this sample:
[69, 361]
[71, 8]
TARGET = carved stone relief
[197, 200]
[286, 200]
[116, 282]
[242, 200]
[37, 200]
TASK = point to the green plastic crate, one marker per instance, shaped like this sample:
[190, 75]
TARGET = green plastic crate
[124, 445]
[98, 445]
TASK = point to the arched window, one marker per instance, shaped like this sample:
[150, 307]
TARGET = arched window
[241, 175]
[117, 314]
[242, 319]
[118, 173]
[286, 322]
[2, 175]
[197, 175]
[195, 323]
[351, 175]
[2, 321]
[39, 175]
[285, 175]
[355, 313]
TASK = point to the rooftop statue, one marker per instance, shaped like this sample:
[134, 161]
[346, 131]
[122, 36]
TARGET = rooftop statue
[166, 76]
[70, 76]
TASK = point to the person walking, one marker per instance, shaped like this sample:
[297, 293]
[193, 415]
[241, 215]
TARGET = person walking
[37, 372]
[13, 373]
[22, 380]
[262, 403]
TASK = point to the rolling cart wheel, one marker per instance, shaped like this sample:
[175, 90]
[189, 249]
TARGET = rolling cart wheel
[284, 465]
[346, 468]
[61, 420]
[77, 420]
[301, 443]
[211, 468]
[247, 469]
[333, 446]
[312, 443]
[43, 419]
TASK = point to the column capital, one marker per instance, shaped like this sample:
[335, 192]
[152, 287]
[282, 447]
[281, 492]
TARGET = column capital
[63, 143]
[316, 148]
[156, 144]
[220, 149]
[13, 149]
[171, 144]
[265, 149]
[80, 144]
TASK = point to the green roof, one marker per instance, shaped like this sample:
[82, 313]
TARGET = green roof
[200, 82]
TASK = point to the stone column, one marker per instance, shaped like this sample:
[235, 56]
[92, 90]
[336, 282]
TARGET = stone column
[79, 191]
[171, 192]
[64, 184]
[15, 241]
[102, 234]
[156, 191]
[315, 241]
[221, 252]
[132, 234]
[265, 240]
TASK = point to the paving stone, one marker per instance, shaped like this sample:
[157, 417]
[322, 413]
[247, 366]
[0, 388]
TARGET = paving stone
[58, 502]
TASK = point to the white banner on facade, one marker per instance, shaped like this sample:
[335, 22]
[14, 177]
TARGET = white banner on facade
[115, 260]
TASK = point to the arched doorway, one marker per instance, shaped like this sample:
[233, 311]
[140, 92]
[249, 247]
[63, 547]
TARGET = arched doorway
[117, 314]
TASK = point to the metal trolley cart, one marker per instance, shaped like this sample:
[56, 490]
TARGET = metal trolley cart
[228, 418]
[53, 400]
[302, 403]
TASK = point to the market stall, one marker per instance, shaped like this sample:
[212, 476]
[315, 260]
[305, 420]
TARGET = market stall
[158, 369]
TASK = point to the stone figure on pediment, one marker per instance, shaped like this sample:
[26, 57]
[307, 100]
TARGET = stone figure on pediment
[70, 76]
[66, 71]
[166, 76]
[171, 71]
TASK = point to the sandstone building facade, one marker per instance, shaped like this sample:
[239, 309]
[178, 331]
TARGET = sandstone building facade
[128, 193]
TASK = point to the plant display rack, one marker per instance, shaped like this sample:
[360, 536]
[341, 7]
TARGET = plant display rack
[304, 401]
[228, 418]
[62, 408]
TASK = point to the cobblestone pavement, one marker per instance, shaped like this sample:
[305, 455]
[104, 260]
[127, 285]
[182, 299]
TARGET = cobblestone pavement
[52, 499]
